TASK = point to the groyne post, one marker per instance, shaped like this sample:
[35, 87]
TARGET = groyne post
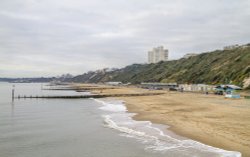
[13, 92]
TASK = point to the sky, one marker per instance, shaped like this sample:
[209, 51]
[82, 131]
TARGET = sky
[54, 37]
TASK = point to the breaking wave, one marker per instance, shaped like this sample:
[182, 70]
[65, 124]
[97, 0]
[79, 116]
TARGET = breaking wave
[152, 136]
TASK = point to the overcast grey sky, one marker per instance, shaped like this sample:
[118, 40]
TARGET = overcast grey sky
[52, 37]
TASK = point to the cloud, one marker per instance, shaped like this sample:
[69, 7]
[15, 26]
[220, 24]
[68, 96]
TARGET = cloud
[60, 36]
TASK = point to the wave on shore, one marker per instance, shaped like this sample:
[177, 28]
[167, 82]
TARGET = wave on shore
[153, 136]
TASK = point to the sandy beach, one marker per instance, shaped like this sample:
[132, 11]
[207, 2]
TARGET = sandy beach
[210, 119]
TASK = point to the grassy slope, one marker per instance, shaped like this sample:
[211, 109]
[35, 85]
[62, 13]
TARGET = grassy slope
[212, 68]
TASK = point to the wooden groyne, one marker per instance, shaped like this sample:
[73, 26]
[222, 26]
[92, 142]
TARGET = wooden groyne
[87, 96]
[81, 88]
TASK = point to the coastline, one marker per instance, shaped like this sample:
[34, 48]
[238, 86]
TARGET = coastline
[154, 136]
[211, 130]
[210, 119]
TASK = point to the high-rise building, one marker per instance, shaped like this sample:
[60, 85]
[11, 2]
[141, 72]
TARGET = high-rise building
[157, 54]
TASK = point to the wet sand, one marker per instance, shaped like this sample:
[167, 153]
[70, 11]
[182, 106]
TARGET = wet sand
[210, 119]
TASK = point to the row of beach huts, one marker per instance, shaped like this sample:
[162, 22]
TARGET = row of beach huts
[229, 90]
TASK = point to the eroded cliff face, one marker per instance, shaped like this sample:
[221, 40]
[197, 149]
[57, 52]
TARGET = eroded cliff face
[246, 83]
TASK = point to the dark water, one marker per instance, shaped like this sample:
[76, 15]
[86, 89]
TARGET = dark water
[81, 128]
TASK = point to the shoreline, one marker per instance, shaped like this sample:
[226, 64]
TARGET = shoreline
[158, 133]
[192, 130]
[209, 119]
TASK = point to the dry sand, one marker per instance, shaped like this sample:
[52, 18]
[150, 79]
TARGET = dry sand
[210, 119]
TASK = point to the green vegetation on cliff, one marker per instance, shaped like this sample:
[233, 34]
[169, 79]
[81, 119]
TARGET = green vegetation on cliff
[217, 67]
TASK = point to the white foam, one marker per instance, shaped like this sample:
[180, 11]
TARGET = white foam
[110, 123]
[153, 137]
[109, 106]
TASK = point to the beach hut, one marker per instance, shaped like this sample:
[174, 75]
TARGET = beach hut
[158, 85]
[230, 91]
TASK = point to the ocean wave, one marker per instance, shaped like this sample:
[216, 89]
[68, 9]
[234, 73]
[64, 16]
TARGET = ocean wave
[112, 106]
[154, 138]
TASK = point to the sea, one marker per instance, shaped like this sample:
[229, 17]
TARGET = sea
[85, 128]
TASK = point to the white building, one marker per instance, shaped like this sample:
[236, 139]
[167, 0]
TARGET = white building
[196, 87]
[190, 55]
[114, 83]
[157, 54]
[230, 47]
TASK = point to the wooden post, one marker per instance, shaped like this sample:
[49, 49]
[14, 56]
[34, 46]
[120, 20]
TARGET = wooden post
[13, 92]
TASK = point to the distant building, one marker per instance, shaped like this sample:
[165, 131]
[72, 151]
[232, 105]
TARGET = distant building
[190, 55]
[157, 85]
[196, 87]
[246, 45]
[230, 47]
[228, 90]
[114, 83]
[157, 54]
